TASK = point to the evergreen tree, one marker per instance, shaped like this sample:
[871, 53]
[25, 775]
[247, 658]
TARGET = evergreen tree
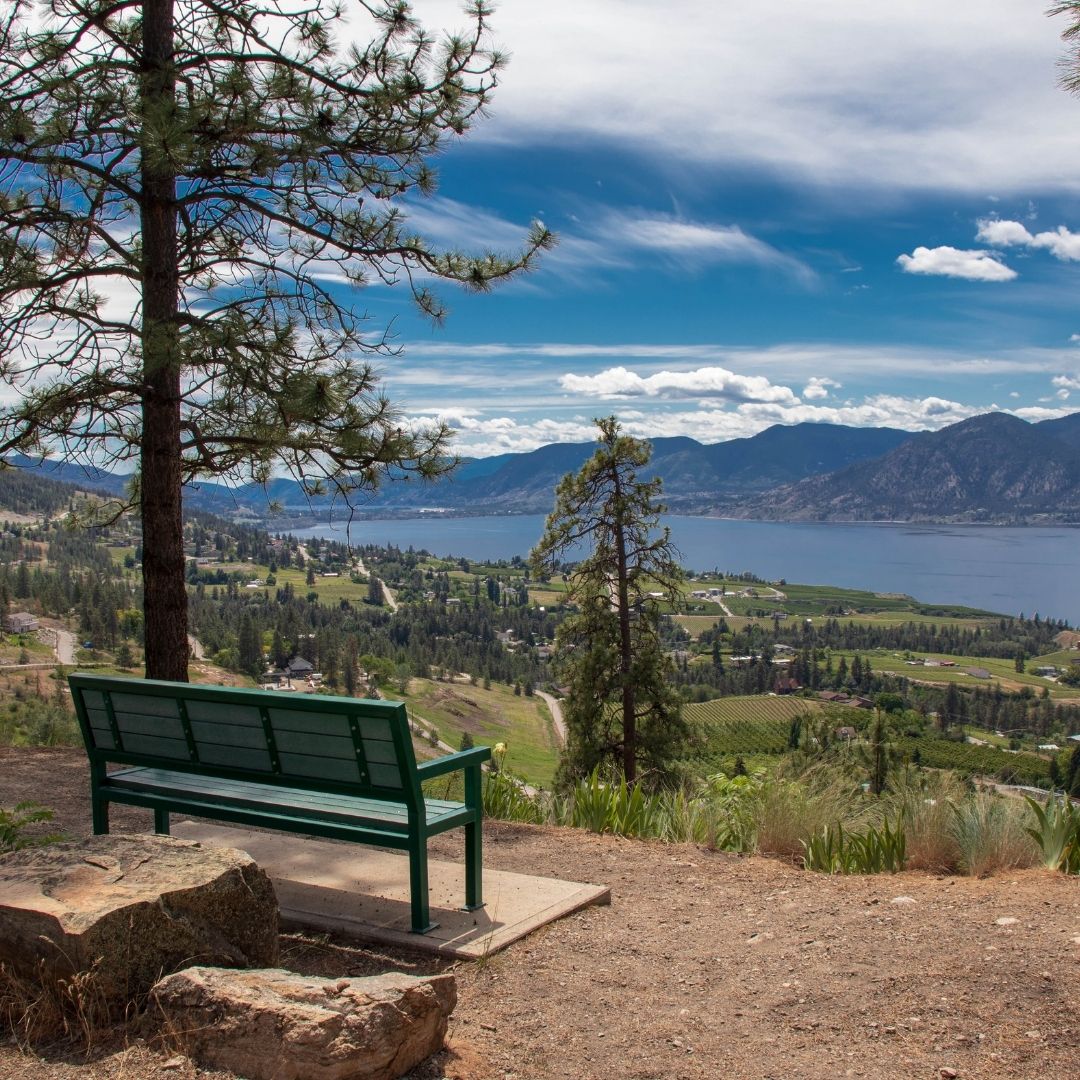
[249, 648]
[621, 709]
[221, 160]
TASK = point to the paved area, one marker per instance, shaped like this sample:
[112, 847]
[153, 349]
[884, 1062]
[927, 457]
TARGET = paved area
[364, 892]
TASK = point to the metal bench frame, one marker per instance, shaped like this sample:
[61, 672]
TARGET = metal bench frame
[322, 766]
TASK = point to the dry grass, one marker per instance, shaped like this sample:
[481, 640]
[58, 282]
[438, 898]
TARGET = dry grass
[46, 1008]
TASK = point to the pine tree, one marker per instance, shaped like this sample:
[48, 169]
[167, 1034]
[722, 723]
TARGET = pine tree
[220, 161]
[621, 709]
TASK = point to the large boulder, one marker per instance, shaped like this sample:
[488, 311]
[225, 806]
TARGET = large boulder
[274, 1025]
[133, 908]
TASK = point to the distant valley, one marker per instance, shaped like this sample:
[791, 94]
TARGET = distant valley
[993, 468]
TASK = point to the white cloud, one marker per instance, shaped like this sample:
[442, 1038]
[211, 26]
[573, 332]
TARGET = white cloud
[1002, 233]
[898, 98]
[1061, 242]
[1066, 382]
[704, 383]
[818, 387]
[948, 261]
[497, 434]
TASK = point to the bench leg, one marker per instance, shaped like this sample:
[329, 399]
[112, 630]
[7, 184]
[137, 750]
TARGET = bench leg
[474, 867]
[418, 888]
[99, 811]
[161, 822]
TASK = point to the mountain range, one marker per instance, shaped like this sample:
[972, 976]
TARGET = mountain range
[990, 468]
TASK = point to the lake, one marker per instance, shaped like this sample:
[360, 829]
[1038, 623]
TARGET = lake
[1010, 570]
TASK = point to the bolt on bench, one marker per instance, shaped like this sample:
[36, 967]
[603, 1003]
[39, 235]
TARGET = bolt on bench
[324, 766]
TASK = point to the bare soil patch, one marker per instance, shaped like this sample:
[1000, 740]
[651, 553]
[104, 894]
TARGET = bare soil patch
[705, 965]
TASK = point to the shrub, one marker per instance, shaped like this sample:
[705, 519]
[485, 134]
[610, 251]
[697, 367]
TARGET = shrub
[1057, 833]
[16, 827]
[923, 801]
[791, 811]
[880, 849]
[989, 831]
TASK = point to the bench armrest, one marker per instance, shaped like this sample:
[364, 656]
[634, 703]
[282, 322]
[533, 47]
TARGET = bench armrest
[452, 762]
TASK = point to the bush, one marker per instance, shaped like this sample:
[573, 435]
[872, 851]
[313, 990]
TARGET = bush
[990, 833]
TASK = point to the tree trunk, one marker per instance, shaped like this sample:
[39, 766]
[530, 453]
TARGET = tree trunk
[164, 590]
[626, 652]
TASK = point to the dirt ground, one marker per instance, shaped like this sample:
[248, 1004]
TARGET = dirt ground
[705, 965]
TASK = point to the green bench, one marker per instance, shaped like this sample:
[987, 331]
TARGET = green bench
[322, 766]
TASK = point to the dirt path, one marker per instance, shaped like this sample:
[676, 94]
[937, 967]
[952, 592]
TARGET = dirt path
[556, 715]
[706, 966]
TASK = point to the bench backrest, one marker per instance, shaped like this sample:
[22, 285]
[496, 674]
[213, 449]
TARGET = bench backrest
[335, 744]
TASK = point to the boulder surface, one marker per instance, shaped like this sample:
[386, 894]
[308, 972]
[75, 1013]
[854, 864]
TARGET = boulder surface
[137, 906]
[274, 1025]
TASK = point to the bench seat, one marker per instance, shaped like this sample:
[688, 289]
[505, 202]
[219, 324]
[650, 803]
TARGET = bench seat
[185, 792]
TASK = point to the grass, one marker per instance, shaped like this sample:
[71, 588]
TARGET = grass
[490, 716]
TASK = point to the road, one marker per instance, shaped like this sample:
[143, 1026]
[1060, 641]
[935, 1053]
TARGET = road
[556, 715]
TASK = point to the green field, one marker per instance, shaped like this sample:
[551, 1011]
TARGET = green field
[1002, 672]
[489, 716]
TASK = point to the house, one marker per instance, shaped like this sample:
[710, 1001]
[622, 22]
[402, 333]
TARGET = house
[1049, 746]
[1074, 738]
[848, 733]
[505, 636]
[978, 672]
[1047, 671]
[20, 622]
[299, 668]
[780, 649]
[784, 685]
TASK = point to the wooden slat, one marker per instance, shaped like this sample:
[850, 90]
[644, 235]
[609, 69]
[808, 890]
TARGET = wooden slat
[168, 727]
[216, 712]
[144, 704]
[318, 768]
[256, 759]
[137, 743]
[296, 721]
[327, 746]
[294, 800]
[228, 735]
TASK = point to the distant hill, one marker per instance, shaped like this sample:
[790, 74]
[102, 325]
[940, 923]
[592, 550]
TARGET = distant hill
[697, 477]
[991, 468]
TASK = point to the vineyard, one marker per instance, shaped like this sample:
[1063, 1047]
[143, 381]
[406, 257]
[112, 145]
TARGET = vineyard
[970, 759]
[745, 726]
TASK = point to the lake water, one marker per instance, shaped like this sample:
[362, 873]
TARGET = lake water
[1002, 569]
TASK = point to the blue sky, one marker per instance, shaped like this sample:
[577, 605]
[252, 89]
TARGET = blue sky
[770, 212]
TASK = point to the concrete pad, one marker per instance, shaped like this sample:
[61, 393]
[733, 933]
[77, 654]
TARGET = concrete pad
[364, 892]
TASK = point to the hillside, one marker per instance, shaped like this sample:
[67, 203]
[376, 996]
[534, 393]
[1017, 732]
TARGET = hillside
[991, 468]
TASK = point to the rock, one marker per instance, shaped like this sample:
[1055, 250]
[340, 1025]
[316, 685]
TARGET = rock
[274, 1025]
[1006, 920]
[137, 906]
[902, 900]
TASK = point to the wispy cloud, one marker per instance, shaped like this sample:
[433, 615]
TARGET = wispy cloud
[953, 262]
[897, 99]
